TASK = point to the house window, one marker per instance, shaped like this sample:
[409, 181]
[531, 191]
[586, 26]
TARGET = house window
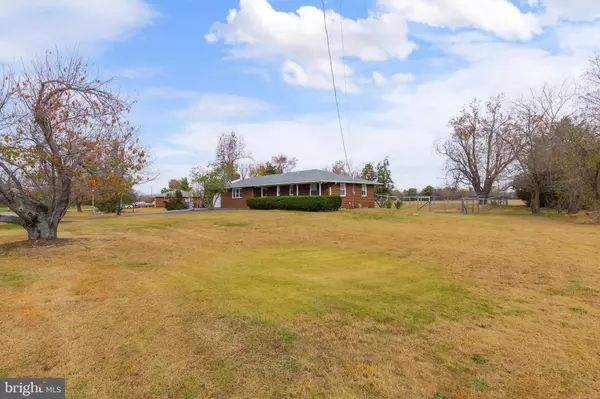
[364, 190]
[314, 189]
[342, 189]
[236, 193]
[293, 190]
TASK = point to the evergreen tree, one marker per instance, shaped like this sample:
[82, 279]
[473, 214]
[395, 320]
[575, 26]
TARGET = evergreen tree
[368, 172]
[384, 178]
[185, 184]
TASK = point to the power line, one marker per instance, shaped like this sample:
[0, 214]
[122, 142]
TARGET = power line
[345, 75]
[337, 104]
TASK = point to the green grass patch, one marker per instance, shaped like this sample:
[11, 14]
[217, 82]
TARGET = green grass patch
[234, 223]
[516, 312]
[393, 215]
[283, 282]
[578, 310]
[480, 386]
[140, 265]
[9, 226]
[8, 276]
[79, 389]
[479, 359]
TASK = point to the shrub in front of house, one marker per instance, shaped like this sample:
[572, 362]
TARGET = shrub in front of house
[323, 203]
[174, 203]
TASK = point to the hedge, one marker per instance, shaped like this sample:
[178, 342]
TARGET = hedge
[323, 203]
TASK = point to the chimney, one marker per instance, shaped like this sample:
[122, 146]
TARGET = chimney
[235, 176]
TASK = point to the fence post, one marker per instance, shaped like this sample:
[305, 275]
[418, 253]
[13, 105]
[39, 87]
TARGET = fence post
[462, 205]
[429, 204]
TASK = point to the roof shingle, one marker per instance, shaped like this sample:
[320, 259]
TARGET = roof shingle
[300, 177]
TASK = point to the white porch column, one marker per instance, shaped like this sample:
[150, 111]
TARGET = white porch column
[319, 188]
[297, 189]
[278, 191]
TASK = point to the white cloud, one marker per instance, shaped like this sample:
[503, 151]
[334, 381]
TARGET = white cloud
[163, 151]
[500, 17]
[406, 112]
[403, 77]
[221, 106]
[314, 140]
[29, 27]
[379, 79]
[257, 31]
[572, 10]
[413, 115]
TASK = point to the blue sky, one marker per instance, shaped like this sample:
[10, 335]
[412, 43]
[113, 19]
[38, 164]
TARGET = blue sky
[260, 67]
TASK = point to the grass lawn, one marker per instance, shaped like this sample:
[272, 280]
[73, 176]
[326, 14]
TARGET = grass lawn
[366, 303]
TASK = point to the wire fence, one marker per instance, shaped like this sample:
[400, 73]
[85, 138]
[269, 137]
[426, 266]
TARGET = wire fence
[465, 205]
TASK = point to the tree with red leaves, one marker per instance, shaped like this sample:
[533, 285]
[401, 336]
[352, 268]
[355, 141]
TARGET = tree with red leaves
[283, 163]
[59, 126]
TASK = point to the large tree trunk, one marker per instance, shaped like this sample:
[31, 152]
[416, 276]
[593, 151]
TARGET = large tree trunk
[43, 229]
[535, 200]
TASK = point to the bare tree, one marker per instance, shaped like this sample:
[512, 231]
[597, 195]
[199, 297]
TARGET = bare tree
[342, 168]
[80, 192]
[534, 142]
[57, 126]
[477, 152]
[577, 165]
[244, 169]
[591, 92]
[283, 163]
[231, 148]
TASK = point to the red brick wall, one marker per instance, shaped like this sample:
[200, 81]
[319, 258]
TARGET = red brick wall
[160, 202]
[351, 200]
[236, 203]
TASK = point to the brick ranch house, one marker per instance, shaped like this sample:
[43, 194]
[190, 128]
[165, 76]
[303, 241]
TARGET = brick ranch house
[355, 192]
[188, 198]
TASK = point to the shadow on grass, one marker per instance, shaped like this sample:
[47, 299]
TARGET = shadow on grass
[9, 247]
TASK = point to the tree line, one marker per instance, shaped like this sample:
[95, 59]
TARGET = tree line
[545, 145]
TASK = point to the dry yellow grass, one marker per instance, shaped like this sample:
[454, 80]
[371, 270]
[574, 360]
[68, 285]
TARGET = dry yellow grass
[366, 303]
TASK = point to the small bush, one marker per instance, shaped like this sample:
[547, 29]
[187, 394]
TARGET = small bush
[108, 205]
[174, 203]
[398, 204]
[389, 203]
[322, 203]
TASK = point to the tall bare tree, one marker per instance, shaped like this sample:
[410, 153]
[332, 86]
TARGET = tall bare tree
[534, 143]
[231, 148]
[283, 163]
[591, 90]
[477, 152]
[58, 125]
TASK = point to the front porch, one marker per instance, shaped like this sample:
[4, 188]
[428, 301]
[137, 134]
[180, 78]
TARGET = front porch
[293, 190]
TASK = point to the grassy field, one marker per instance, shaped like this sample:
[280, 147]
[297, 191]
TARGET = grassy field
[366, 303]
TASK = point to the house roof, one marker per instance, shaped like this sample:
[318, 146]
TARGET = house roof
[184, 194]
[300, 177]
